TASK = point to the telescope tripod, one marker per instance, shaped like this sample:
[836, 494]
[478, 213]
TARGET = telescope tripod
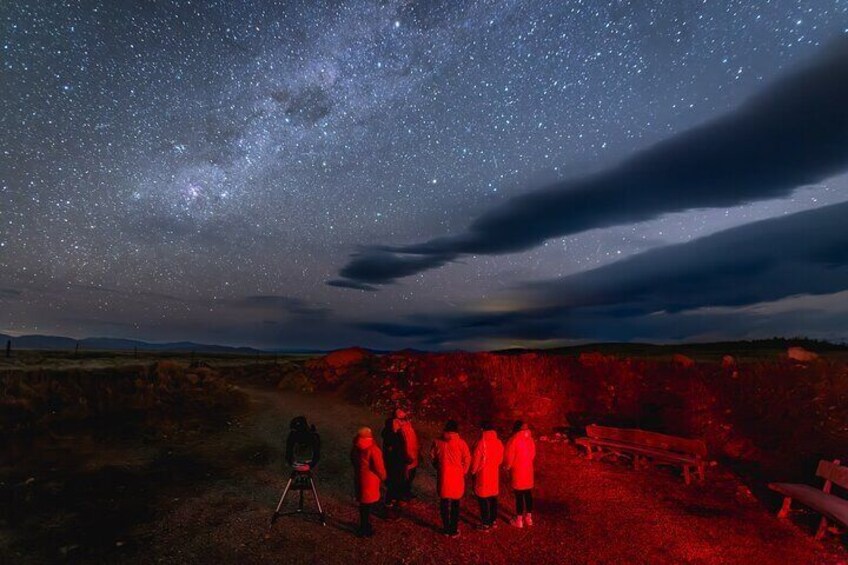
[300, 480]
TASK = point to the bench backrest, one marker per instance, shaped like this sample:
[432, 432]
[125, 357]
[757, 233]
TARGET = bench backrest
[649, 439]
[834, 472]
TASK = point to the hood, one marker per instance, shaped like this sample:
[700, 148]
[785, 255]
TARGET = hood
[523, 434]
[363, 442]
[299, 424]
[450, 436]
[490, 435]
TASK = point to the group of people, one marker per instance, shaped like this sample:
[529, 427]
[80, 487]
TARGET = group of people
[395, 465]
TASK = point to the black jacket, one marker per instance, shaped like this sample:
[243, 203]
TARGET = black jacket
[394, 448]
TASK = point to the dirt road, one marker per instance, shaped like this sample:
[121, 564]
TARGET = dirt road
[587, 512]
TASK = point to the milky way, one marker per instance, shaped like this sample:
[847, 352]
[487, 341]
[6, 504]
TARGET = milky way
[200, 170]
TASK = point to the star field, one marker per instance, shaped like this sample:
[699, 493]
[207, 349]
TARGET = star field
[163, 164]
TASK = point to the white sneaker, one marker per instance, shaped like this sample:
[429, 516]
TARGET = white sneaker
[528, 519]
[518, 522]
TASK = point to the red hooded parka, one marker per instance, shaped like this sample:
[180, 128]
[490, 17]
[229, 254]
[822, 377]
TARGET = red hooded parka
[485, 464]
[451, 458]
[368, 469]
[518, 459]
[410, 443]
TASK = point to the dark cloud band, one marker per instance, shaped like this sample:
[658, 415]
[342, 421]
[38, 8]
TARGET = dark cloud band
[801, 254]
[792, 134]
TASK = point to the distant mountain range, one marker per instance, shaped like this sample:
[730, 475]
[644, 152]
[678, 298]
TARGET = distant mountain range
[61, 343]
[54, 342]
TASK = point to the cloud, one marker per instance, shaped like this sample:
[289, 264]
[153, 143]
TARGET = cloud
[397, 330]
[345, 283]
[285, 304]
[792, 134]
[134, 294]
[376, 266]
[675, 292]
[803, 253]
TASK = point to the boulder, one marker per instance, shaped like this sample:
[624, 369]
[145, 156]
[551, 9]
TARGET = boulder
[683, 361]
[741, 448]
[801, 355]
[345, 357]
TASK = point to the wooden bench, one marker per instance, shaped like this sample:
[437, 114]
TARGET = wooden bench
[830, 506]
[647, 447]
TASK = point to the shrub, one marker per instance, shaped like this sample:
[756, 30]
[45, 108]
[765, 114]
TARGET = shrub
[775, 414]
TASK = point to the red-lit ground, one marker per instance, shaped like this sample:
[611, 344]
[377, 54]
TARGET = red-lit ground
[587, 512]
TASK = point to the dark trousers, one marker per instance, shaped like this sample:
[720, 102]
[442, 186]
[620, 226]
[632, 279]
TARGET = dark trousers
[523, 501]
[365, 519]
[395, 482]
[450, 514]
[406, 489]
[488, 509]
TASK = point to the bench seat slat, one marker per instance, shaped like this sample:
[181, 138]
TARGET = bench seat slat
[829, 505]
[648, 439]
[642, 450]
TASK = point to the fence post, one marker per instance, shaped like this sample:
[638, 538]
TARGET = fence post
[8, 348]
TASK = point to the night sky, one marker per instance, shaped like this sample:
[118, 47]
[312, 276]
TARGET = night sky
[304, 174]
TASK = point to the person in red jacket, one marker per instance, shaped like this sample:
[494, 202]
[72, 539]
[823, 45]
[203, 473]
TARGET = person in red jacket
[369, 473]
[452, 459]
[486, 461]
[518, 460]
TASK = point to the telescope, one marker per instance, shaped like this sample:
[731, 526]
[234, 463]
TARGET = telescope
[303, 450]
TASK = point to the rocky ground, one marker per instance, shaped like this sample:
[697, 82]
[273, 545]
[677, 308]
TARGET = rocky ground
[207, 497]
